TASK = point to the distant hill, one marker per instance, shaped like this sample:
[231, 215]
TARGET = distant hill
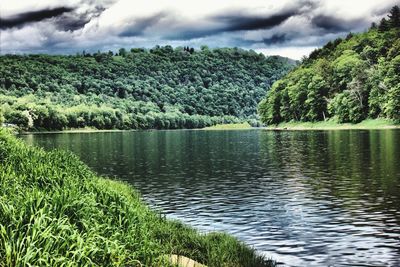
[348, 79]
[158, 88]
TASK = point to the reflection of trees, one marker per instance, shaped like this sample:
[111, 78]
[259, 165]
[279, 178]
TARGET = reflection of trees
[359, 165]
[345, 165]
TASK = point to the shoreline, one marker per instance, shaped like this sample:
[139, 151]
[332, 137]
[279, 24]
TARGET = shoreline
[371, 124]
[229, 126]
[77, 130]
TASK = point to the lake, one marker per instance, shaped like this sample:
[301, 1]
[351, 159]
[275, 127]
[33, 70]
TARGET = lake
[304, 198]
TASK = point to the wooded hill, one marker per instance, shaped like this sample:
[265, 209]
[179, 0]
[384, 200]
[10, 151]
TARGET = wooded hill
[162, 88]
[348, 80]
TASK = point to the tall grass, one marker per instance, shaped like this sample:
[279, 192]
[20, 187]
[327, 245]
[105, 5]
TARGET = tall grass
[54, 211]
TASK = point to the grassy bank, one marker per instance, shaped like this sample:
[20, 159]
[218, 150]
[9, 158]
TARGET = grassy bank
[233, 126]
[56, 212]
[333, 125]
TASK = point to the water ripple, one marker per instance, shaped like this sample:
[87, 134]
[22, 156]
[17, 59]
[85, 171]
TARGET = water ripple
[304, 198]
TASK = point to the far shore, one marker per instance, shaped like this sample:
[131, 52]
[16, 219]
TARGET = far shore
[370, 124]
[77, 130]
[231, 126]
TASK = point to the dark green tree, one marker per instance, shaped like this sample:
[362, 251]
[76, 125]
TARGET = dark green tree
[394, 17]
[122, 52]
[384, 25]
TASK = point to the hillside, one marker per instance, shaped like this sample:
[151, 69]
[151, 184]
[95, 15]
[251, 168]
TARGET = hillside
[161, 88]
[348, 80]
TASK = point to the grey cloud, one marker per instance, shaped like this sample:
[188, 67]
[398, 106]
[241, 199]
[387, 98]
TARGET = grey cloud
[231, 23]
[240, 23]
[383, 9]
[33, 16]
[65, 18]
[239, 27]
[139, 25]
[277, 38]
[299, 39]
[73, 21]
[334, 24]
[188, 34]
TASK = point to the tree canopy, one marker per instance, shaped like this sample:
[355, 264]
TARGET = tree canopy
[348, 79]
[138, 88]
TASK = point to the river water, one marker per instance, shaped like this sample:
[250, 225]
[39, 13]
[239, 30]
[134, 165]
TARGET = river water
[304, 198]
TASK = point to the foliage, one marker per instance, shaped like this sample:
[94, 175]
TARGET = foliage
[57, 212]
[349, 80]
[1, 117]
[162, 88]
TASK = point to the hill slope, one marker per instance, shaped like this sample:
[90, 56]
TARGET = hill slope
[157, 88]
[348, 80]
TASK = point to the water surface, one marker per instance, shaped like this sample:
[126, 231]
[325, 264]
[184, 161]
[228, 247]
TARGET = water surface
[305, 198]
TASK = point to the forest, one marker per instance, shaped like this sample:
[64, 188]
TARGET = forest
[347, 80]
[158, 88]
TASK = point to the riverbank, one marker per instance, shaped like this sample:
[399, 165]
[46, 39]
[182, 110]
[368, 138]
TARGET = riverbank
[76, 130]
[56, 211]
[375, 124]
[232, 126]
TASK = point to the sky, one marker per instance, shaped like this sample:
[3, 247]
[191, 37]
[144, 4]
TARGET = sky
[290, 28]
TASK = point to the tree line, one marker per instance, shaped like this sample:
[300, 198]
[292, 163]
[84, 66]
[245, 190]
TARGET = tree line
[162, 87]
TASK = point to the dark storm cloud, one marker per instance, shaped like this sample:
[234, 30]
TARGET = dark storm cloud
[72, 21]
[33, 16]
[234, 21]
[241, 23]
[333, 24]
[230, 23]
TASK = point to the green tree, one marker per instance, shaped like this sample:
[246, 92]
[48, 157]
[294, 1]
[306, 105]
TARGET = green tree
[392, 108]
[384, 25]
[90, 90]
[345, 108]
[20, 118]
[1, 117]
[394, 17]
[349, 79]
[316, 99]
[122, 52]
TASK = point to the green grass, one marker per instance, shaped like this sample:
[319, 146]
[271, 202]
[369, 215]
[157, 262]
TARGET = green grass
[233, 126]
[333, 125]
[56, 212]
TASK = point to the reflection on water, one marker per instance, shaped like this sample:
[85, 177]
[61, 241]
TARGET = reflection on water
[307, 198]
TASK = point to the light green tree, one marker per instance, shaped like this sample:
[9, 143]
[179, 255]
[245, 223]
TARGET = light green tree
[1, 117]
